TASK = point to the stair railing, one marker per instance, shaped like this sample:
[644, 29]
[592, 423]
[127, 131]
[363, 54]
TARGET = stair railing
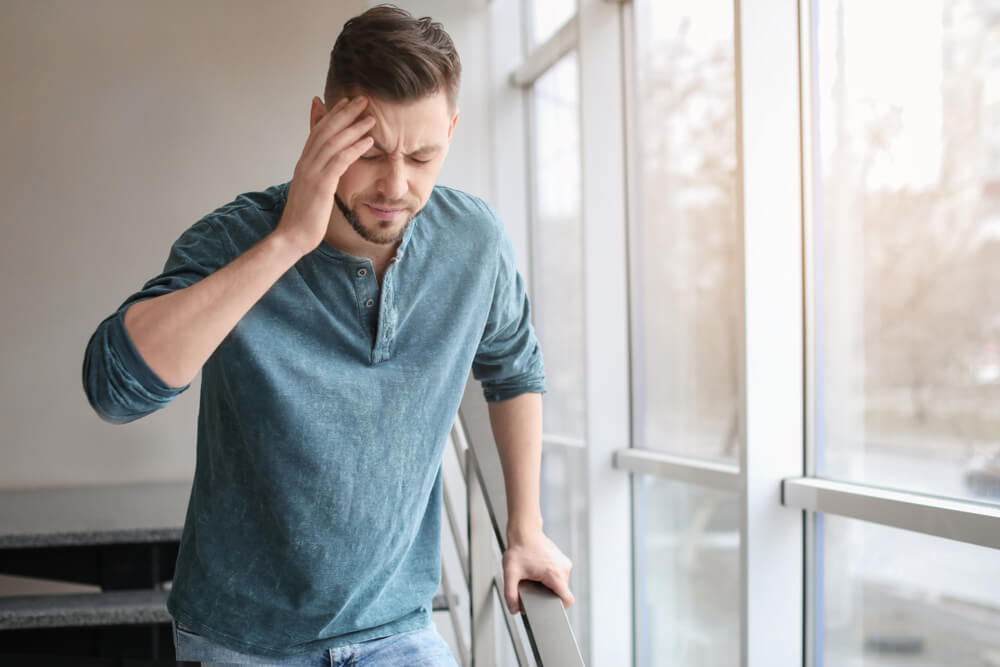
[543, 618]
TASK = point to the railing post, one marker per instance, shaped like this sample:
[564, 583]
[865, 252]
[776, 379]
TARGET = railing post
[482, 568]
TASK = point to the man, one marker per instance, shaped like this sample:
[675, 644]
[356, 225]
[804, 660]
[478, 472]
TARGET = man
[335, 319]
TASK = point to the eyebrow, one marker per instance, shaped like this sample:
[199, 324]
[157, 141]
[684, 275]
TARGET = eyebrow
[433, 148]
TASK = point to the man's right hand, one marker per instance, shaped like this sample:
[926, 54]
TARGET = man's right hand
[175, 333]
[334, 143]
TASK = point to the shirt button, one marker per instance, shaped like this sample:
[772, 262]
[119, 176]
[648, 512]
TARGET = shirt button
[362, 272]
[369, 303]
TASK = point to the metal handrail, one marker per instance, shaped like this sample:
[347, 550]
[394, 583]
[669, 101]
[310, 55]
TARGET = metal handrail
[543, 616]
[941, 516]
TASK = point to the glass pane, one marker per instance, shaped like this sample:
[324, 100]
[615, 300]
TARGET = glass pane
[557, 261]
[686, 244]
[564, 511]
[687, 575]
[547, 16]
[557, 246]
[907, 238]
[892, 597]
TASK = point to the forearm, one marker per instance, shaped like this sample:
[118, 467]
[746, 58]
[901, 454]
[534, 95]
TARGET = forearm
[176, 333]
[517, 428]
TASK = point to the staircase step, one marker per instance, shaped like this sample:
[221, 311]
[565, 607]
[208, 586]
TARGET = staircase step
[90, 609]
[83, 609]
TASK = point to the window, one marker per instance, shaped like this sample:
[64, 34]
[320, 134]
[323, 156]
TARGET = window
[687, 331]
[548, 16]
[907, 237]
[557, 252]
[892, 596]
[870, 359]
[905, 266]
[685, 246]
[687, 574]
[557, 264]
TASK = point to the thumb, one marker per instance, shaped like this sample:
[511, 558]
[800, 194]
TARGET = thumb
[559, 587]
[510, 582]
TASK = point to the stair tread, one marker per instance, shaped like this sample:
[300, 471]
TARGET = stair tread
[106, 608]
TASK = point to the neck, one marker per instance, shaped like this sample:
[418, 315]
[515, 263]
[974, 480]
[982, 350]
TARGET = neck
[342, 236]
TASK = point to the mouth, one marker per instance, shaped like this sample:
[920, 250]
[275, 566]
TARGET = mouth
[383, 213]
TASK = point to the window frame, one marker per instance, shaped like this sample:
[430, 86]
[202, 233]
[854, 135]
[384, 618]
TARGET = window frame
[594, 32]
[781, 496]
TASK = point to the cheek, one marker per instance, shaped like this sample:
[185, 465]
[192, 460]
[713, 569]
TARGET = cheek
[353, 181]
[422, 182]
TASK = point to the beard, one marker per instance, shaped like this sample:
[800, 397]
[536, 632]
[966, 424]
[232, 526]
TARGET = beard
[382, 232]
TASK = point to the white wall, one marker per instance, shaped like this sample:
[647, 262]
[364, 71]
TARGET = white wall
[121, 124]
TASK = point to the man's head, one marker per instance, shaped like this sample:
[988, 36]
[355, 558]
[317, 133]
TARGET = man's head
[409, 69]
[394, 57]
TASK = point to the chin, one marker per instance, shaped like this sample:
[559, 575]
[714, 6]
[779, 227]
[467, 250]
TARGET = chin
[380, 232]
[384, 232]
[374, 229]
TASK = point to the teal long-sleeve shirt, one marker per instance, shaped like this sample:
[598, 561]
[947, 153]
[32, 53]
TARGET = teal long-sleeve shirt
[315, 514]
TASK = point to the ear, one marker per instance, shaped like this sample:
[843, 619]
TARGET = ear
[316, 112]
[454, 122]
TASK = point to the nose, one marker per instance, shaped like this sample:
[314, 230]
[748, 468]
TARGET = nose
[392, 181]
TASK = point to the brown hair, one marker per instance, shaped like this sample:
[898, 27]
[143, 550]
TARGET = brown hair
[393, 56]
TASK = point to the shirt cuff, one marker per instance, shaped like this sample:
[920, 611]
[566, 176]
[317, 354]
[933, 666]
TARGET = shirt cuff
[503, 390]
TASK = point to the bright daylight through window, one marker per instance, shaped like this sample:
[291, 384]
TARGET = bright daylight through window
[557, 261]
[906, 268]
[687, 331]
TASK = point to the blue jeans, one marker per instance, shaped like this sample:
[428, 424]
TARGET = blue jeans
[417, 648]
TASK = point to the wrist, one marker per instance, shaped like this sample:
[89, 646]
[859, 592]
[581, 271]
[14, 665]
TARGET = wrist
[523, 529]
[286, 245]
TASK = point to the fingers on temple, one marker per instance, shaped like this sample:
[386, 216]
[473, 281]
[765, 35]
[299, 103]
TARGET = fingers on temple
[344, 158]
[342, 117]
[344, 143]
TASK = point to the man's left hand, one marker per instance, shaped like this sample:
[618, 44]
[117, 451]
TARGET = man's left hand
[535, 558]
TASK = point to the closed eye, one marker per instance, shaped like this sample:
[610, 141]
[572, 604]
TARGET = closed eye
[376, 156]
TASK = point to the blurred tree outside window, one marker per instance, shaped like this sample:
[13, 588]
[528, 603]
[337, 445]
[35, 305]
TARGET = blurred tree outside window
[687, 331]
[686, 245]
[906, 276]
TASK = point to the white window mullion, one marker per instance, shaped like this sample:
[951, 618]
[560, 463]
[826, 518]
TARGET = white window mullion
[607, 339]
[770, 183]
[547, 54]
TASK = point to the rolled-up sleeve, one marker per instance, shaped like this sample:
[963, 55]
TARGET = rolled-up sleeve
[508, 361]
[119, 384]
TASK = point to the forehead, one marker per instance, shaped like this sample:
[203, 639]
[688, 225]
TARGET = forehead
[413, 122]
